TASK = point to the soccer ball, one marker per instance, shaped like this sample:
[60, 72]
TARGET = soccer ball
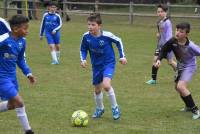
[79, 118]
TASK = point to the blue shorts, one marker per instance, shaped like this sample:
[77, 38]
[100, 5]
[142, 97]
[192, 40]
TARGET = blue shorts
[8, 88]
[100, 72]
[53, 38]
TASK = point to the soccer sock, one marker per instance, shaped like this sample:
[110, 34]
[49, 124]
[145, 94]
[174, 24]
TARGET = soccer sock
[4, 106]
[99, 100]
[53, 55]
[21, 114]
[154, 72]
[189, 102]
[58, 55]
[111, 95]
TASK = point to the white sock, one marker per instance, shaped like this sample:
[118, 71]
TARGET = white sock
[58, 55]
[4, 106]
[99, 100]
[21, 114]
[53, 55]
[111, 95]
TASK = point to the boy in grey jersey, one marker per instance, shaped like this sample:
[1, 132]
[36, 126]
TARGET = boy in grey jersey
[163, 35]
[185, 52]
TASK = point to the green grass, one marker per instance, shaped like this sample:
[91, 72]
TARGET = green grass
[64, 88]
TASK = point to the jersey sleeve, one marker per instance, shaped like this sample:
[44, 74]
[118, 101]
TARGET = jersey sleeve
[42, 27]
[166, 48]
[168, 30]
[3, 38]
[4, 26]
[83, 49]
[119, 44]
[195, 49]
[21, 62]
[59, 21]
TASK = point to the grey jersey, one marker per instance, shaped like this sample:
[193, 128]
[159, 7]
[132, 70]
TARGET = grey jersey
[165, 31]
[185, 54]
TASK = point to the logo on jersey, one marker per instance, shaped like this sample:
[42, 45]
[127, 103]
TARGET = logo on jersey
[20, 45]
[9, 56]
[101, 42]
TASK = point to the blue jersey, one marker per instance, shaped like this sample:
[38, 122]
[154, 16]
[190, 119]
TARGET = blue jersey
[51, 22]
[4, 26]
[100, 48]
[11, 54]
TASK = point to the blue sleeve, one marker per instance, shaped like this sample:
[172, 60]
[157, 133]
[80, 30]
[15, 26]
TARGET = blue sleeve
[119, 45]
[4, 26]
[42, 25]
[195, 49]
[21, 62]
[59, 21]
[3, 38]
[83, 49]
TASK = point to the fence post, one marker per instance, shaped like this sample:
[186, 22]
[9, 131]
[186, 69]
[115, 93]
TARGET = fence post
[168, 6]
[5, 9]
[96, 6]
[131, 12]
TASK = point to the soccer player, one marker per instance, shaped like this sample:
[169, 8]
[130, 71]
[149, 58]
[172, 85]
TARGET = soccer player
[12, 49]
[99, 45]
[185, 52]
[163, 35]
[51, 24]
[4, 26]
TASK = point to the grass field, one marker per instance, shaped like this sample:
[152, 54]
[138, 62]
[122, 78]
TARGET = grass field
[64, 88]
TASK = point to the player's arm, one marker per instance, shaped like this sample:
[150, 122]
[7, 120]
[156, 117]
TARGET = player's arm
[5, 24]
[195, 49]
[168, 31]
[42, 26]
[120, 48]
[83, 52]
[59, 21]
[3, 38]
[21, 62]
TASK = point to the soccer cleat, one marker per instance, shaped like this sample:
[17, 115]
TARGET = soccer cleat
[29, 132]
[116, 113]
[98, 113]
[54, 63]
[186, 109]
[196, 115]
[151, 82]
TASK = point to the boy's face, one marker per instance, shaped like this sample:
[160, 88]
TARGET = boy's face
[161, 13]
[93, 27]
[180, 34]
[22, 30]
[52, 8]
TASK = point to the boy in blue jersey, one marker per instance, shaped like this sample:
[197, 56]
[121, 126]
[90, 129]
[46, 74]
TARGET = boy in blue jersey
[163, 35]
[99, 45]
[4, 26]
[51, 24]
[12, 49]
[185, 52]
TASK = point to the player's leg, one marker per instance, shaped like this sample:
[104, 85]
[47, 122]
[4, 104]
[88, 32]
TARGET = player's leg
[171, 61]
[154, 70]
[51, 43]
[106, 84]
[181, 87]
[57, 45]
[98, 94]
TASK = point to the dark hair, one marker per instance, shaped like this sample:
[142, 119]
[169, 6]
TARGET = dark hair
[184, 26]
[52, 3]
[164, 7]
[17, 20]
[95, 17]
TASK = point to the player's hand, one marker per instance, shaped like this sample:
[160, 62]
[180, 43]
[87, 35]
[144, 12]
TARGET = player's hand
[84, 64]
[157, 35]
[32, 79]
[41, 37]
[157, 64]
[123, 61]
[53, 32]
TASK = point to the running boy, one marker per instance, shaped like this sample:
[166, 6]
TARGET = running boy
[185, 52]
[99, 45]
[51, 24]
[163, 35]
[12, 49]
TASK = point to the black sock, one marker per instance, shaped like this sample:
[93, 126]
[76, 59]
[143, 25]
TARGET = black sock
[189, 102]
[154, 72]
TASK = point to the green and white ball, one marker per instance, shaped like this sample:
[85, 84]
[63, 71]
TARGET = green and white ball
[79, 118]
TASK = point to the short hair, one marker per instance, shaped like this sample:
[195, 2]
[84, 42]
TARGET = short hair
[184, 26]
[95, 17]
[52, 3]
[163, 7]
[17, 20]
